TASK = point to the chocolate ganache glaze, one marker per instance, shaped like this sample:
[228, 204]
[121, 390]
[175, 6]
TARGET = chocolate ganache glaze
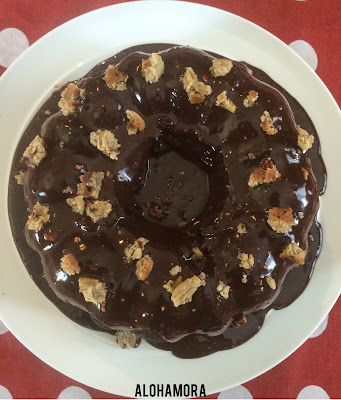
[193, 182]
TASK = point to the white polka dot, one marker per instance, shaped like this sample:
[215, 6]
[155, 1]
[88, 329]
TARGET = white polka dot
[237, 392]
[3, 329]
[313, 392]
[321, 328]
[74, 392]
[4, 393]
[12, 43]
[306, 51]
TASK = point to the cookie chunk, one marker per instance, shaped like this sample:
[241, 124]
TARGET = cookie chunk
[246, 260]
[127, 340]
[77, 204]
[196, 90]
[21, 176]
[267, 124]
[153, 68]
[93, 290]
[71, 98]
[223, 102]
[221, 67]
[135, 123]
[144, 267]
[223, 290]
[294, 253]
[69, 264]
[98, 210]
[106, 142]
[115, 79]
[250, 99]
[266, 174]
[184, 292]
[280, 219]
[38, 218]
[134, 251]
[91, 184]
[35, 152]
[304, 140]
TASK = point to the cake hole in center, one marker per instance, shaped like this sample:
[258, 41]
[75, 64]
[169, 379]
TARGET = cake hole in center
[175, 190]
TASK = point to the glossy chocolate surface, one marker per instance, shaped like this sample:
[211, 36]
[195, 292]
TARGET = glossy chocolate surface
[181, 183]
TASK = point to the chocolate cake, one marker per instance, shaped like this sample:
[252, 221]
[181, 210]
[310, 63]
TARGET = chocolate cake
[172, 196]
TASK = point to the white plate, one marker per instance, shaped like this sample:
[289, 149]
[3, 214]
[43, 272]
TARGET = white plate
[67, 53]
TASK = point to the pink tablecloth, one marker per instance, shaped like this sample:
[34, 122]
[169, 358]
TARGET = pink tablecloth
[310, 27]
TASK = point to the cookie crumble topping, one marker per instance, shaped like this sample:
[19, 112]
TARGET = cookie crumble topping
[267, 124]
[39, 217]
[153, 68]
[93, 290]
[221, 67]
[115, 79]
[69, 264]
[70, 99]
[106, 142]
[196, 90]
[35, 152]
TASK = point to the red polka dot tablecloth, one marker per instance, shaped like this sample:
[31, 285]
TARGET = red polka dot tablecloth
[312, 28]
